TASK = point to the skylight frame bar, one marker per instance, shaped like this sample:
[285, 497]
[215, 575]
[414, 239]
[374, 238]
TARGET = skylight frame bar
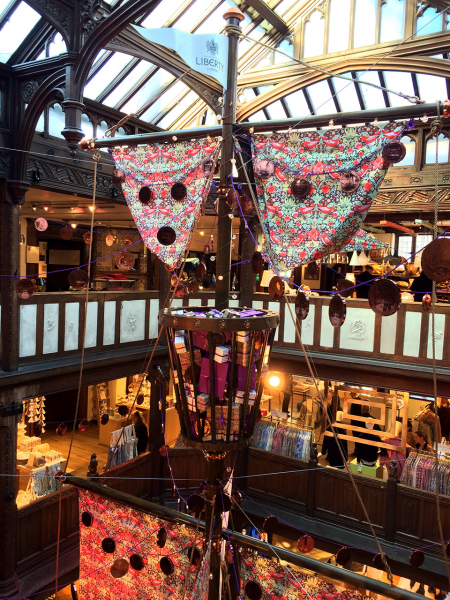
[137, 86]
[118, 79]
[99, 64]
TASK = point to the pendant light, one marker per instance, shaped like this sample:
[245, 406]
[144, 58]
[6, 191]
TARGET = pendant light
[354, 261]
[363, 259]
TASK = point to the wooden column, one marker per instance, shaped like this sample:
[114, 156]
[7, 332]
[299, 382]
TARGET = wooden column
[155, 434]
[391, 500]
[312, 476]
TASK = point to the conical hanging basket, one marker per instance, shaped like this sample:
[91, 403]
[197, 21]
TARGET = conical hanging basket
[219, 361]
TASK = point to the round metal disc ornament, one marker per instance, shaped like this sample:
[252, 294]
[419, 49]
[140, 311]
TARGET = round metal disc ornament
[41, 224]
[124, 261]
[207, 249]
[87, 237]
[416, 558]
[108, 545]
[25, 288]
[140, 399]
[193, 286]
[166, 565]
[196, 504]
[119, 568]
[343, 556]
[231, 198]
[257, 263]
[384, 297]
[270, 524]
[276, 288]
[200, 270]
[78, 279]
[166, 236]
[123, 410]
[253, 591]
[349, 182]
[86, 519]
[300, 187]
[197, 556]
[394, 152]
[109, 240]
[345, 287]
[378, 562]
[118, 176]
[312, 270]
[136, 562]
[61, 429]
[207, 167]
[37, 429]
[426, 303]
[225, 503]
[162, 538]
[179, 291]
[127, 240]
[305, 544]
[66, 233]
[263, 168]
[236, 497]
[436, 259]
[337, 311]
[301, 306]
[178, 191]
[84, 425]
[146, 195]
[104, 418]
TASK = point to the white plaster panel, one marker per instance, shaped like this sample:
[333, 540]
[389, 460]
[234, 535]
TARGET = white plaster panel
[27, 337]
[258, 304]
[192, 302]
[357, 332]
[177, 302]
[413, 322]
[307, 330]
[289, 327]
[388, 329]
[275, 307]
[132, 321]
[51, 325]
[109, 323]
[153, 325]
[439, 324]
[91, 325]
[71, 326]
[233, 303]
[212, 302]
[326, 329]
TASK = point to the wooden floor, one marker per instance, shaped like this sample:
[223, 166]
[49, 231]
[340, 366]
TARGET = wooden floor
[84, 445]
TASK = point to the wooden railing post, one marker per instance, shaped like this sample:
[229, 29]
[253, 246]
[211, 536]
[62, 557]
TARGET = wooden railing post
[312, 475]
[156, 435]
[391, 499]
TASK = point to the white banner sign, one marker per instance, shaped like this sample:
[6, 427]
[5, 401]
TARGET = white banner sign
[204, 52]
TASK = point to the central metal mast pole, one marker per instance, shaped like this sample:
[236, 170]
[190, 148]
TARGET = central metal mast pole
[233, 17]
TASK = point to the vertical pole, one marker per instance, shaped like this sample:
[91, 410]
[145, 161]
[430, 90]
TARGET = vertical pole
[233, 17]
[213, 525]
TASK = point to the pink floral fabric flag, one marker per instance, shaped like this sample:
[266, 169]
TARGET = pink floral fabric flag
[175, 176]
[364, 241]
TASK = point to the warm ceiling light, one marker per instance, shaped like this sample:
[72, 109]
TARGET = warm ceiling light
[45, 207]
[202, 232]
[274, 381]
[34, 208]
[91, 208]
[73, 225]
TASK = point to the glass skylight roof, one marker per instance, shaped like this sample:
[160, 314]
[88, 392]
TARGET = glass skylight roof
[16, 28]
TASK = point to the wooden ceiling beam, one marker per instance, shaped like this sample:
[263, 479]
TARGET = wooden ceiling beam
[270, 16]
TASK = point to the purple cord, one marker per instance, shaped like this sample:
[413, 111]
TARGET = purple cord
[229, 542]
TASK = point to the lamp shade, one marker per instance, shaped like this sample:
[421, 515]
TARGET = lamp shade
[363, 259]
[354, 262]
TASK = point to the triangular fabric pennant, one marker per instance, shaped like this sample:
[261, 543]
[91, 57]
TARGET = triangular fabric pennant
[364, 241]
[157, 168]
[335, 175]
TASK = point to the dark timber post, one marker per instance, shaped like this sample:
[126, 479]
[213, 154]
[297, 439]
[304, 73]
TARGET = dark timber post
[233, 17]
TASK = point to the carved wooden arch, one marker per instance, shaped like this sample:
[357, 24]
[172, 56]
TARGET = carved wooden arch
[56, 13]
[51, 88]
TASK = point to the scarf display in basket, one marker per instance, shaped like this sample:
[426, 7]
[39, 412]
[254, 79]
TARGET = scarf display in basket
[163, 186]
[282, 440]
[130, 569]
[122, 447]
[419, 472]
[316, 187]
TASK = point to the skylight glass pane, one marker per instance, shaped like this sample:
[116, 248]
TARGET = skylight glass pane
[314, 35]
[321, 98]
[16, 29]
[165, 102]
[365, 22]
[101, 129]
[87, 126]
[392, 20]
[210, 118]
[265, 62]
[284, 6]
[160, 14]
[297, 104]
[151, 89]
[249, 94]
[192, 16]
[56, 120]
[40, 123]
[431, 87]
[257, 116]
[285, 47]
[276, 110]
[245, 45]
[410, 146]
[264, 88]
[106, 74]
[41, 55]
[399, 81]
[178, 110]
[429, 22]
[339, 26]
[3, 5]
[58, 46]
[99, 56]
[346, 93]
[215, 22]
[443, 147]
[373, 97]
[139, 71]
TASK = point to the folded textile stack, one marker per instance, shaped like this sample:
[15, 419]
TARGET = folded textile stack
[28, 443]
[240, 397]
[222, 354]
[221, 420]
[180, 342]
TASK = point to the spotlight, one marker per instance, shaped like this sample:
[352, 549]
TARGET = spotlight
[45, 207]
[73, 225]
[34, 208]
[92, 208]
[274, 381]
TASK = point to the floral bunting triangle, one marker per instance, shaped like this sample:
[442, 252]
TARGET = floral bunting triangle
[364, 241]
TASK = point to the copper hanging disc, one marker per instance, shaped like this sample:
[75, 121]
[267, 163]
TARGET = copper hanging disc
[78, 279]
[207, 249]
[86, 519]
[140, 399]
[349, 182]
[343, 556]
[253, 591]
[200, 270]
[345, 288]
[25, 288]
[196, 558]
[118, 176]
[378, 562]
[66, 233]
[337, 311]
[136, 562]
[257, 263]
[300, 187]
[41, 224]
[146, 195]
[166, 565]
[196, 504]
[301, 306]
[179, 291]
[276, 288]
[178, 191]
[109, 240]
[270, 524]
[119, 568]
[193, 286]
[394, 152]
[163, 450]
[305, 544]
[312, 270]
[436, 259]
[417, 558]
[162, 537]
[84, 425]
[207, 167]
[384, 297]
[225, 503]
[127, 240]
[104, 418]
[247, 207]
[61, 429]
[87, 237]
[108, 545]
[124, 260]
[236, 497]
[231, 199]
[123, 410]
[426, 303]
[166, 236]
[263, 168]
